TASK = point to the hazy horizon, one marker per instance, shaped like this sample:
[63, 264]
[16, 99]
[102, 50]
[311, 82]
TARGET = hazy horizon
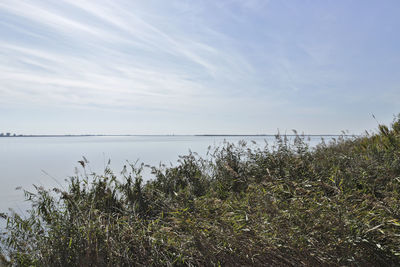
[171, 135]
[198, 67]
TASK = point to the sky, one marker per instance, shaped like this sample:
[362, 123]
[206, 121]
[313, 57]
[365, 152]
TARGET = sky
[198, 66]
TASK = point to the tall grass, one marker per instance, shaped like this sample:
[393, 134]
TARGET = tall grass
[287, 204]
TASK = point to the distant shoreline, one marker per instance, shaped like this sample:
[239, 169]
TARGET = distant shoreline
[170, 135]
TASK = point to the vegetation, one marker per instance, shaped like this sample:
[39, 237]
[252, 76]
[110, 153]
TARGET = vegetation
[284, 204]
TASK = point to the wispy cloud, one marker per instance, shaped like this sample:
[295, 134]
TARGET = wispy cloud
[108, 55]
[218, 57]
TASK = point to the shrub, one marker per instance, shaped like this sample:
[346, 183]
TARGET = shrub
[287, 204]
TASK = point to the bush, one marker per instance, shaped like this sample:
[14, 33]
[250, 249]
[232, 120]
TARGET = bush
[289, 204]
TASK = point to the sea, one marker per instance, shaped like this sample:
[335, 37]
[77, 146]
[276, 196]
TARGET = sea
[49, 161]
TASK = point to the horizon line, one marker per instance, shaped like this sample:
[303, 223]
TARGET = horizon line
[199, 135]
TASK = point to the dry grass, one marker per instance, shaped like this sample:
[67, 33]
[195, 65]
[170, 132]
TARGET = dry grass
[337, 204]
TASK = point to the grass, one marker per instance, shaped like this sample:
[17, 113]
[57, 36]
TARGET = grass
[284, 205]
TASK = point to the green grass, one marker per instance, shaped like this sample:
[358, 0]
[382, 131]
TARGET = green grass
[337, 204]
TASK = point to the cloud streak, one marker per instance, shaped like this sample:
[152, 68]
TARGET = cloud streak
[203, 57]
[136, 61]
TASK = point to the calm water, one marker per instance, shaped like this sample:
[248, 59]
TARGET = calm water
[47, 161]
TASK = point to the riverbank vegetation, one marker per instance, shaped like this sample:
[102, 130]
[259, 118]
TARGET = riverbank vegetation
[282, 204]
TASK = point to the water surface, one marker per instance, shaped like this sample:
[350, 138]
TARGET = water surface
[48, 161]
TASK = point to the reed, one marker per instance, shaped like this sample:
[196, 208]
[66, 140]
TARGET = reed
[286, 204]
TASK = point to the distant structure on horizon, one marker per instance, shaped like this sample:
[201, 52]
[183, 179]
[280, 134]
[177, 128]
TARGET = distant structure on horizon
[7, 134]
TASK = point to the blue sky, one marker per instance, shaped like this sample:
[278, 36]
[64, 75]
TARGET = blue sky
[193, 67]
